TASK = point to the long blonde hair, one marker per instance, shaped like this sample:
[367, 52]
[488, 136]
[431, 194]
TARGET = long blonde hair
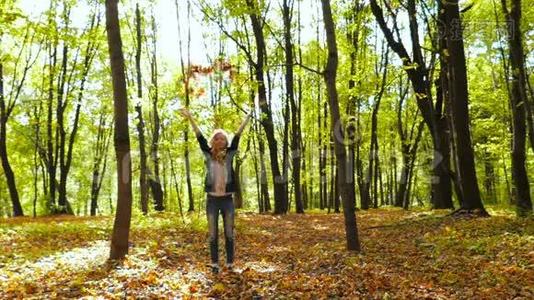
[218, 155]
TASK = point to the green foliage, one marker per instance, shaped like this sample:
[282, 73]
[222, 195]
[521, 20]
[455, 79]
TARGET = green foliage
[219, 98]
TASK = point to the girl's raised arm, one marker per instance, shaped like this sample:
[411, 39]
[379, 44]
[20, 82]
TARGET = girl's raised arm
[243, 124]
[185, 112]
[235, 140]
[201, 140]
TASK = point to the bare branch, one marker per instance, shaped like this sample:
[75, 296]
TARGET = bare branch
[205, 10]
[309, 69]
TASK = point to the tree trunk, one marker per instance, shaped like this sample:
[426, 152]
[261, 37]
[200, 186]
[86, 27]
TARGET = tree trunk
[35, 170]
[380, 184]
[264, 188]
[337, 186]
[121, 226]
[372, 168]
[304, 182]
[100, 162]
[263, 174]
[176, 186]
[353, 35]
[442, 196]
[66, 158]
[519, 102]
[418, 73]
[280, 183]
[154, 179]
[302, 153]
[457, 76]
[332, 174]
[259, 194]
[8, 171]
[63, 206]
[238, 200]
[50, 161]
[285, 148]
[290, 96]
[186, 78]
[143, 186]
[489, 179]
[347, 195]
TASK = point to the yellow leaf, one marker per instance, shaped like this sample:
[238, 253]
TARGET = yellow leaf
[218, 288]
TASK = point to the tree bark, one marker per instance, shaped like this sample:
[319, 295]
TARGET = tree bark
[263, 174]
[100, 162]
[353, 35]
[6, 108]
[143, 186]
[296, 153]
[8, 171]
[154, 179]
[66, 158]
[50, 158]
[457, 76]
[347, 195]
[519, 102]
[186, 78]
[418, 75]
[121, 226]
[324, 155]
[279, 182]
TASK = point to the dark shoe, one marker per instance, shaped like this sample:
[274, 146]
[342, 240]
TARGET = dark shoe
[214, 268]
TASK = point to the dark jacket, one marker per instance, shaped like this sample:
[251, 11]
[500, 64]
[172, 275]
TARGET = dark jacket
[230, 153]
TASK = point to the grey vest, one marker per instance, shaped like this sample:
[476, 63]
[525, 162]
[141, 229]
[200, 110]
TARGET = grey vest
[231, 151]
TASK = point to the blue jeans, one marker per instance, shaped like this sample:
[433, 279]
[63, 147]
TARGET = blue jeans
[224, 205]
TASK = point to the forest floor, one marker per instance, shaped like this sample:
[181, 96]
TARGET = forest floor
[406, 254]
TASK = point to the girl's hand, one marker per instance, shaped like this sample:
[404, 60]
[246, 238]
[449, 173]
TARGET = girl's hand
[185, 112]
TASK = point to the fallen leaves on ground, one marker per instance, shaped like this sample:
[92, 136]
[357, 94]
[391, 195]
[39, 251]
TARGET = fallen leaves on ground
[424, 255]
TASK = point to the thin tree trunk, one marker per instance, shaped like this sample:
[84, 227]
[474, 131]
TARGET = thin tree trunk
[154, 179]
[50, 165]
[62, 203]
[263, 171]
[238, 178]
[7, 104]
[121, 226]
[100, 162]
[353, 36]
[290, 97]
[66, 158]
[332, 174]
[285, 147]
[279, 182]
[337, 202]
[176, 185]
[143, 186]
[373, 149]
[417, 73]
[347, 195]
[186, 78]
[381, 185]
[35, 170]
[519, 100]
[489, 179]
[8, 171]
[259, 195]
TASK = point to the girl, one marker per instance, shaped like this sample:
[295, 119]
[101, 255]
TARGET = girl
[219, 184]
